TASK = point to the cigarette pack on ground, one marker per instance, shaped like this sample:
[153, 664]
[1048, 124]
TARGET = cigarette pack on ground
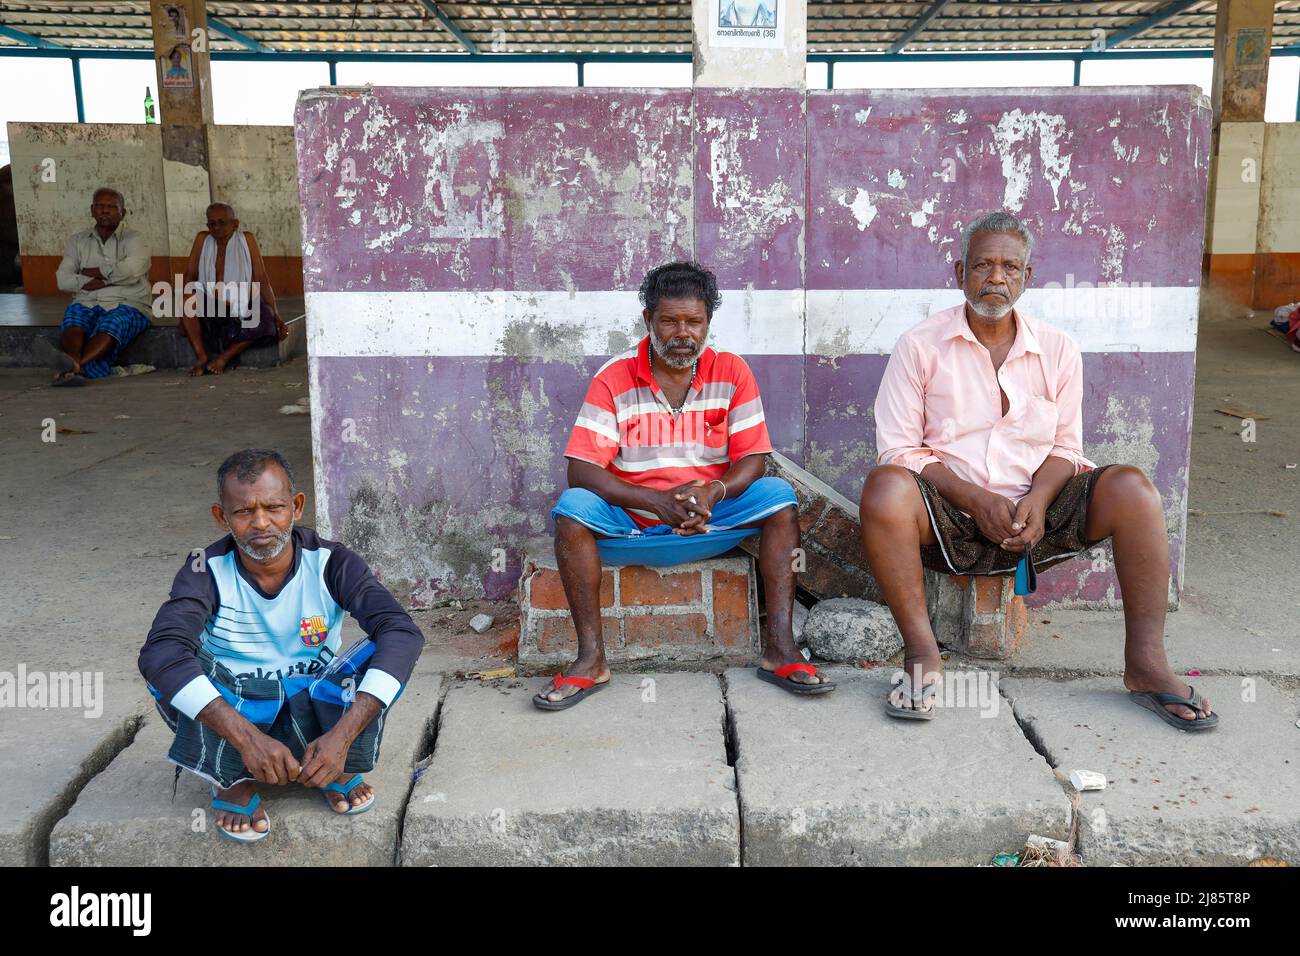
[1087, 780]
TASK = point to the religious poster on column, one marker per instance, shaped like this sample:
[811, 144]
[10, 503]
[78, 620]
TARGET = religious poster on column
[746, 23]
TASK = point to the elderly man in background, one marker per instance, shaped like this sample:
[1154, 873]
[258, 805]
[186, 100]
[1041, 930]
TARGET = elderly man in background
[979, 424]
[106, 268]
[236, 305]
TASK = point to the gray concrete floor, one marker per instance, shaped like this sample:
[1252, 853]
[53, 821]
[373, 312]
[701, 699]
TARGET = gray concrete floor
[94, 525]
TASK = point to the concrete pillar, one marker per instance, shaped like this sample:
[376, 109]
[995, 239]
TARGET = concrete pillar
[750, 57]
[1243, 35]
[184, 96]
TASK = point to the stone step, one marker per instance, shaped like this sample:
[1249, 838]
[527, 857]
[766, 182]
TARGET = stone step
[128, 816]
[636, 775]
[834, 780]
[1220, 797]
[699, 611]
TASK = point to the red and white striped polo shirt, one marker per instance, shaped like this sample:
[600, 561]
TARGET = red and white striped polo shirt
[626, 424]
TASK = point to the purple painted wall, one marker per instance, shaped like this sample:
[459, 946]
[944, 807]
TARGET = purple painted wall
[439, 413]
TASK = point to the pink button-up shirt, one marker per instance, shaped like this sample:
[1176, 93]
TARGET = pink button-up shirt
[939, 401]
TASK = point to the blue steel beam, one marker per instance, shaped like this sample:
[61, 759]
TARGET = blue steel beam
[922, 21]
[1166, 12]
[28, 39]
[454, 30]
[243, 39]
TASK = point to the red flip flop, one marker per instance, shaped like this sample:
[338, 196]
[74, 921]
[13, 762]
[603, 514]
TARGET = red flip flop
[781, 678]
[586, 687]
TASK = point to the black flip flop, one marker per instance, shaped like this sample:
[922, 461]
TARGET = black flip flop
[1155, 702]
[68, 378]
[781, 678]
[586, 687]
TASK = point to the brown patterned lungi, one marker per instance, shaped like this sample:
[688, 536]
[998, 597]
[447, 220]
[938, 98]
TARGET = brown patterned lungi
[962, 549]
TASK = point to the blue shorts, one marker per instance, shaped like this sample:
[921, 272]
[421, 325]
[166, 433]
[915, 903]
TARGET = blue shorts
[657, 546]
[122, 323]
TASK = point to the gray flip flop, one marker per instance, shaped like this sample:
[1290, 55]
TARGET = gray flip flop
[922, 697]
[1155, 702]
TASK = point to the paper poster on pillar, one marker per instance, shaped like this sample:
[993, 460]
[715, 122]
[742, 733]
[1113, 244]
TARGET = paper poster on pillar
[757, 24]
[178, 68]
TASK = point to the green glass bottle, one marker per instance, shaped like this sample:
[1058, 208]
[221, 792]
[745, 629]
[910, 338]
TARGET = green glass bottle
[149, 115]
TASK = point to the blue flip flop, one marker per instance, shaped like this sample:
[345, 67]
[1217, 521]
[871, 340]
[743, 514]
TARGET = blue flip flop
[345, 789]
[248, 809]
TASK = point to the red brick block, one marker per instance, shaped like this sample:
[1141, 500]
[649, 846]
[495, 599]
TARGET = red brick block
[990, 593]
[558, 634]
[642, 587]
[548, 590]
[732, 626]
[658, 630]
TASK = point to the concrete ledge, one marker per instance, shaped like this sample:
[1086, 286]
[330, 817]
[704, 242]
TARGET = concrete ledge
[833, 780]
[127, 815]
[1221, 797]
[635, 776]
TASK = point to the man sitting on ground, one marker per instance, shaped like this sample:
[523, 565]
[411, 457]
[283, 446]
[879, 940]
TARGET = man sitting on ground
[666, 465]
[107, 270]
[245, 653]
[236, 305]
[979, 423]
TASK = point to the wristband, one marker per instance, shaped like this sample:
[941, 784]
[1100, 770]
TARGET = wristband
[724, 487]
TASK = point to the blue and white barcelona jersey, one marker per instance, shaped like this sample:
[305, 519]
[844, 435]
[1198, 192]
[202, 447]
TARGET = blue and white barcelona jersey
[290, 635]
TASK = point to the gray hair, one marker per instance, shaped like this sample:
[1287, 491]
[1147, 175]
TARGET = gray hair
[222, 205]
[248, 465]
[998, 221]
[121, 200]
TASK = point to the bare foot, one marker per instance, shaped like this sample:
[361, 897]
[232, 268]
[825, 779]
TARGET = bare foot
[239, 795]
[596, 670]
[199, 366]
[920, 671]
[776, 657]
[216, 366]
[355, 797]
[1167, 683]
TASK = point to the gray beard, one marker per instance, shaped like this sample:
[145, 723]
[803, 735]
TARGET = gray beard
[672, 361]
[991, 311]
[270, 552]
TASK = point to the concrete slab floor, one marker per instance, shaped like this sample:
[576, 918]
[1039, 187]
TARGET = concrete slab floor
[1218, 797]
[637, 775]
[879, 791]
[128, 816]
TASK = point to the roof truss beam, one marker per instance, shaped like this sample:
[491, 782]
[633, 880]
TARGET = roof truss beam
[921, 23]
[1167, 12]
[27, 39]
[451, 27]
[230, 33]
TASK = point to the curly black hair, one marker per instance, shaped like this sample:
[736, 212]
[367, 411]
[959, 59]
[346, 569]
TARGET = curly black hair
[680, 280]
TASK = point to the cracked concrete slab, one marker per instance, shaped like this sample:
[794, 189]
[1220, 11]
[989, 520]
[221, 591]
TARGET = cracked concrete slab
[127, 816]
[636, 775]
[834, 780]
[1220, 797]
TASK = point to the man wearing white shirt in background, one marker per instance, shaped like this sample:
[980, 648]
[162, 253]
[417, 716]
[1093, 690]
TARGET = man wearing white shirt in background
[107, 270]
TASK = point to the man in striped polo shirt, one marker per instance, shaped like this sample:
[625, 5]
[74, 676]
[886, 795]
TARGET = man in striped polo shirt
[666, 465]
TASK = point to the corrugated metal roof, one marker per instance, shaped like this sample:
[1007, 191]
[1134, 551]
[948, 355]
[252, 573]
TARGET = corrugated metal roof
[611, 26]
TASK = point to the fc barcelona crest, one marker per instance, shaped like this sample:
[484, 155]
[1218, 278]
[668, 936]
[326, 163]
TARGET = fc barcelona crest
[313, 631]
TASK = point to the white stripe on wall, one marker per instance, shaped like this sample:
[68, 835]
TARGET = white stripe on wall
[564, 326]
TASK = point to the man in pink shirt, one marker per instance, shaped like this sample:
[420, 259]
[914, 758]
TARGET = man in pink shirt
[979, 427]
